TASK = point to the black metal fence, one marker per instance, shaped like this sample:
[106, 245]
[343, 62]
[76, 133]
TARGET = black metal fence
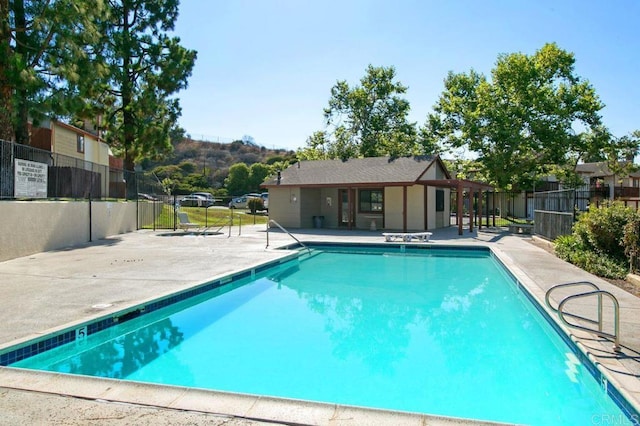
[29, 173]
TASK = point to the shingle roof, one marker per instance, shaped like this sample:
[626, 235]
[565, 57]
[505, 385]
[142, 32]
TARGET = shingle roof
[354, 171]
[599, 169]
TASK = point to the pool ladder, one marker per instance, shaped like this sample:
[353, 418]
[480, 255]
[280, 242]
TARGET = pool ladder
[271, 221]
[615, 336]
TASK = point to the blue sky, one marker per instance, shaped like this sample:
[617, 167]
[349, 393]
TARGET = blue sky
[265, 68]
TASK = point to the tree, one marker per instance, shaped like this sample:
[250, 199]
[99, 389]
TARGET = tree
[521, 121]
[146, 68]
[317, 143]
[238, 180]
[617, 153]
[257, 174]
[622, 152]
[366, 120]
[45, 60]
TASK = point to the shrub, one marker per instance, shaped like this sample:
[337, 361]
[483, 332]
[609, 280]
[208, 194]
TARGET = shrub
[571, 249]
[255, 204]
[632, 242]
[602, 229]
[567, 244]
[603, 241]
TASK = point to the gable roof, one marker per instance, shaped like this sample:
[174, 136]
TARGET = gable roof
[384, 171]
[599, 169]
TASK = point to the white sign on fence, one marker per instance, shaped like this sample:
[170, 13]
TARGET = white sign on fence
[30, 179]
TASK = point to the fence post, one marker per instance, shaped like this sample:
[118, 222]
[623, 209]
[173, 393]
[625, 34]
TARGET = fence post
[175, 212]
[494, 208]
[486, 193]
[90, 220]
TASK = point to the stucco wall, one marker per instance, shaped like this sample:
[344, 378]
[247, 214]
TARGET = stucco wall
[432, 215]
[329, 206]
[393, 208]
[34, 227]
[109, 218]
[415, 208]
[295, 208]
[284, 206]
[309, 201]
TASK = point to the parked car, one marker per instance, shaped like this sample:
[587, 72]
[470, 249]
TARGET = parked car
[195, 201]
[239, 202]
[147, 197]
[265, 200]
[242, 202]
[208, 196]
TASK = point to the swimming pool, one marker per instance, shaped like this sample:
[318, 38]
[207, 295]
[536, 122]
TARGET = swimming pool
[439, 331]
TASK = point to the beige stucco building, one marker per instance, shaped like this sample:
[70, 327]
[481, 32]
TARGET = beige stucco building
[362, 193]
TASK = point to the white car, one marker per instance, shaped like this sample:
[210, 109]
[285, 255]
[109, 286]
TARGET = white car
[243, 202]
[195, 201]
[206, 195]
[239, 202]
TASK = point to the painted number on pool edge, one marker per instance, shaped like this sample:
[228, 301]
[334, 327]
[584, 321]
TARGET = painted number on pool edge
[81, 333]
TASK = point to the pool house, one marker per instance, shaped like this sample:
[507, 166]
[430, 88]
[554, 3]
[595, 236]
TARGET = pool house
[406, 194]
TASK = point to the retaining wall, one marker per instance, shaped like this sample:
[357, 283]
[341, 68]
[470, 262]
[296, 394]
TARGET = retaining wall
[28, 227]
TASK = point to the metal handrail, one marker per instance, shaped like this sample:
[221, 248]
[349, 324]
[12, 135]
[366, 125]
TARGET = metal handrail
[270, 221]
[597, 292]
[572, 284]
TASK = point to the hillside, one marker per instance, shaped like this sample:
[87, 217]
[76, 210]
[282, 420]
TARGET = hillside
[211, 160]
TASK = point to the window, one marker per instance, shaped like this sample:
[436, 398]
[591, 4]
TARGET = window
[439, 200]
[371, 200]
[80, 140]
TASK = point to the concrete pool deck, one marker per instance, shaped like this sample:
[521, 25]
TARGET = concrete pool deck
[52, 290]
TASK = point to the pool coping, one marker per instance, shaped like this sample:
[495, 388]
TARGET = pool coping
[226, 404]
[285, 410]
[616, 373]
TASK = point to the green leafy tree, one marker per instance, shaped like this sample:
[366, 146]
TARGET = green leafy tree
[258, 172]
[622, 152]
[168, 172]
[46, 59]
[316, 149]
[238, 180]
[196, 182]
[168, 185]
[366, 120]
[522, 120]
[147, 68]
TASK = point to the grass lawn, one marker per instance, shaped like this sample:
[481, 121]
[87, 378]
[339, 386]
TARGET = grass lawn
[210, 217]
[219, 217]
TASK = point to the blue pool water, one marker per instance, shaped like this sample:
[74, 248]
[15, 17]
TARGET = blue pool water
[442, 332]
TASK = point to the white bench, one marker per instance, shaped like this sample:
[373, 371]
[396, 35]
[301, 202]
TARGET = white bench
[407, 236]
